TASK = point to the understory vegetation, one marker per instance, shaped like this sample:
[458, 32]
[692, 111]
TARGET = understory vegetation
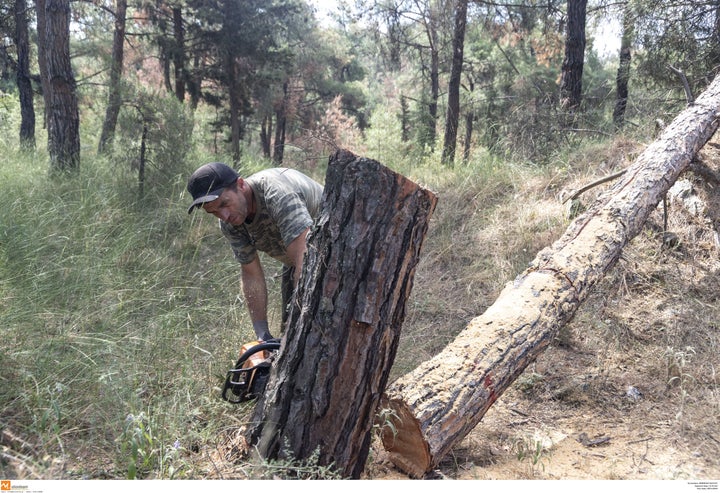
[121, 313]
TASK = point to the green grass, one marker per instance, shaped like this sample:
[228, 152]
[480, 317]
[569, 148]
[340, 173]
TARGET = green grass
[121, 315]
[117, 315]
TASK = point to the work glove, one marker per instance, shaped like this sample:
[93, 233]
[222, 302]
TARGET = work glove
[262, 331]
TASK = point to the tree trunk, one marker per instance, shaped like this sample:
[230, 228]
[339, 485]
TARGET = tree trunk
[344, 325]
[24, 80]
[194, 83]
[42, 62]
[623, 73]
[280, 125]
[165, 58]
[234, 98]
[453, 109]
[467, 146]
[279, 143]
[404, 119]
[63, 119]
[441, 401]
[142, 160]
[8, 66]
[432, 35]
[574, 61]
[179, 54]
[265, 135]
[469, 119]
[116, 69]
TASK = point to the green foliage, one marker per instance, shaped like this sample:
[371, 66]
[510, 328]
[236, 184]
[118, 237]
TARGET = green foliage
[528, 381]
[246, 51]
[9, 119]
[108, 305]
[383, 140]
[144, 452]
[326, 66]
[424, 124]
[515, 74]
[532, 450]
[165, 127]
[681, 34]
[290, 467]
[385, 420]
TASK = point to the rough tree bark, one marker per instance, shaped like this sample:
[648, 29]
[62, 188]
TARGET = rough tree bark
[280, 126]
[344, 325]
[469, 121]
[453, 105]
[42, 59]
[24, 80]
[116, 71]
[179, 53]
[441, 401]
[623, 73]
[431, 24]
[574, 61]
[63, 120]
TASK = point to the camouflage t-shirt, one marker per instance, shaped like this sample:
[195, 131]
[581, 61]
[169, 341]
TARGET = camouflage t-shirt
[287, 202]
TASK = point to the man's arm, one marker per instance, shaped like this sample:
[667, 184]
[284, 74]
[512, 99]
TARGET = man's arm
[256, 297]
[296, 251]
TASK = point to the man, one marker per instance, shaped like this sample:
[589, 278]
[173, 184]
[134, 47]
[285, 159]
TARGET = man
[270, 211]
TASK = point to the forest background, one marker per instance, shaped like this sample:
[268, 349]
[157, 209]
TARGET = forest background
[120, 314]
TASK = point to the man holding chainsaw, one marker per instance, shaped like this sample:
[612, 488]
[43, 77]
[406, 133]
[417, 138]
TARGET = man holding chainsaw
[270, 211]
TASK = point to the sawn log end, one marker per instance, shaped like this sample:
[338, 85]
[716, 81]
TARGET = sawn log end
[403, 439]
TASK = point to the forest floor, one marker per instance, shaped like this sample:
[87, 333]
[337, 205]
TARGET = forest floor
[630, 389]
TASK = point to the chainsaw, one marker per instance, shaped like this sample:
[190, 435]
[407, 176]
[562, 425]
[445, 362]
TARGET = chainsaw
[247, 380]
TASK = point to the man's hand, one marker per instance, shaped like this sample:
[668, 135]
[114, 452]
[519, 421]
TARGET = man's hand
[262, 330]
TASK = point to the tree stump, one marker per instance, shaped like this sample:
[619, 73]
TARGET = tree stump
[442, 400]
[344, 324]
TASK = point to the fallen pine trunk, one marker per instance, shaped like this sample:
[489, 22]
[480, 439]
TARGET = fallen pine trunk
[344, 325]
[439, 403]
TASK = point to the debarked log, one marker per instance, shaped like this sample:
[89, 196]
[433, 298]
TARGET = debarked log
[435, 406]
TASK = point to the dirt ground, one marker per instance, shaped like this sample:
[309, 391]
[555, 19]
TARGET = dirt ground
[586, 422]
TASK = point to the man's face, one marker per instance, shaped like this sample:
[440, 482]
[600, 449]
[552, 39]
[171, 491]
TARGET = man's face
[231, 206]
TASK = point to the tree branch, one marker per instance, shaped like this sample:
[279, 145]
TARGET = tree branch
[686, 85]
[585, 188]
